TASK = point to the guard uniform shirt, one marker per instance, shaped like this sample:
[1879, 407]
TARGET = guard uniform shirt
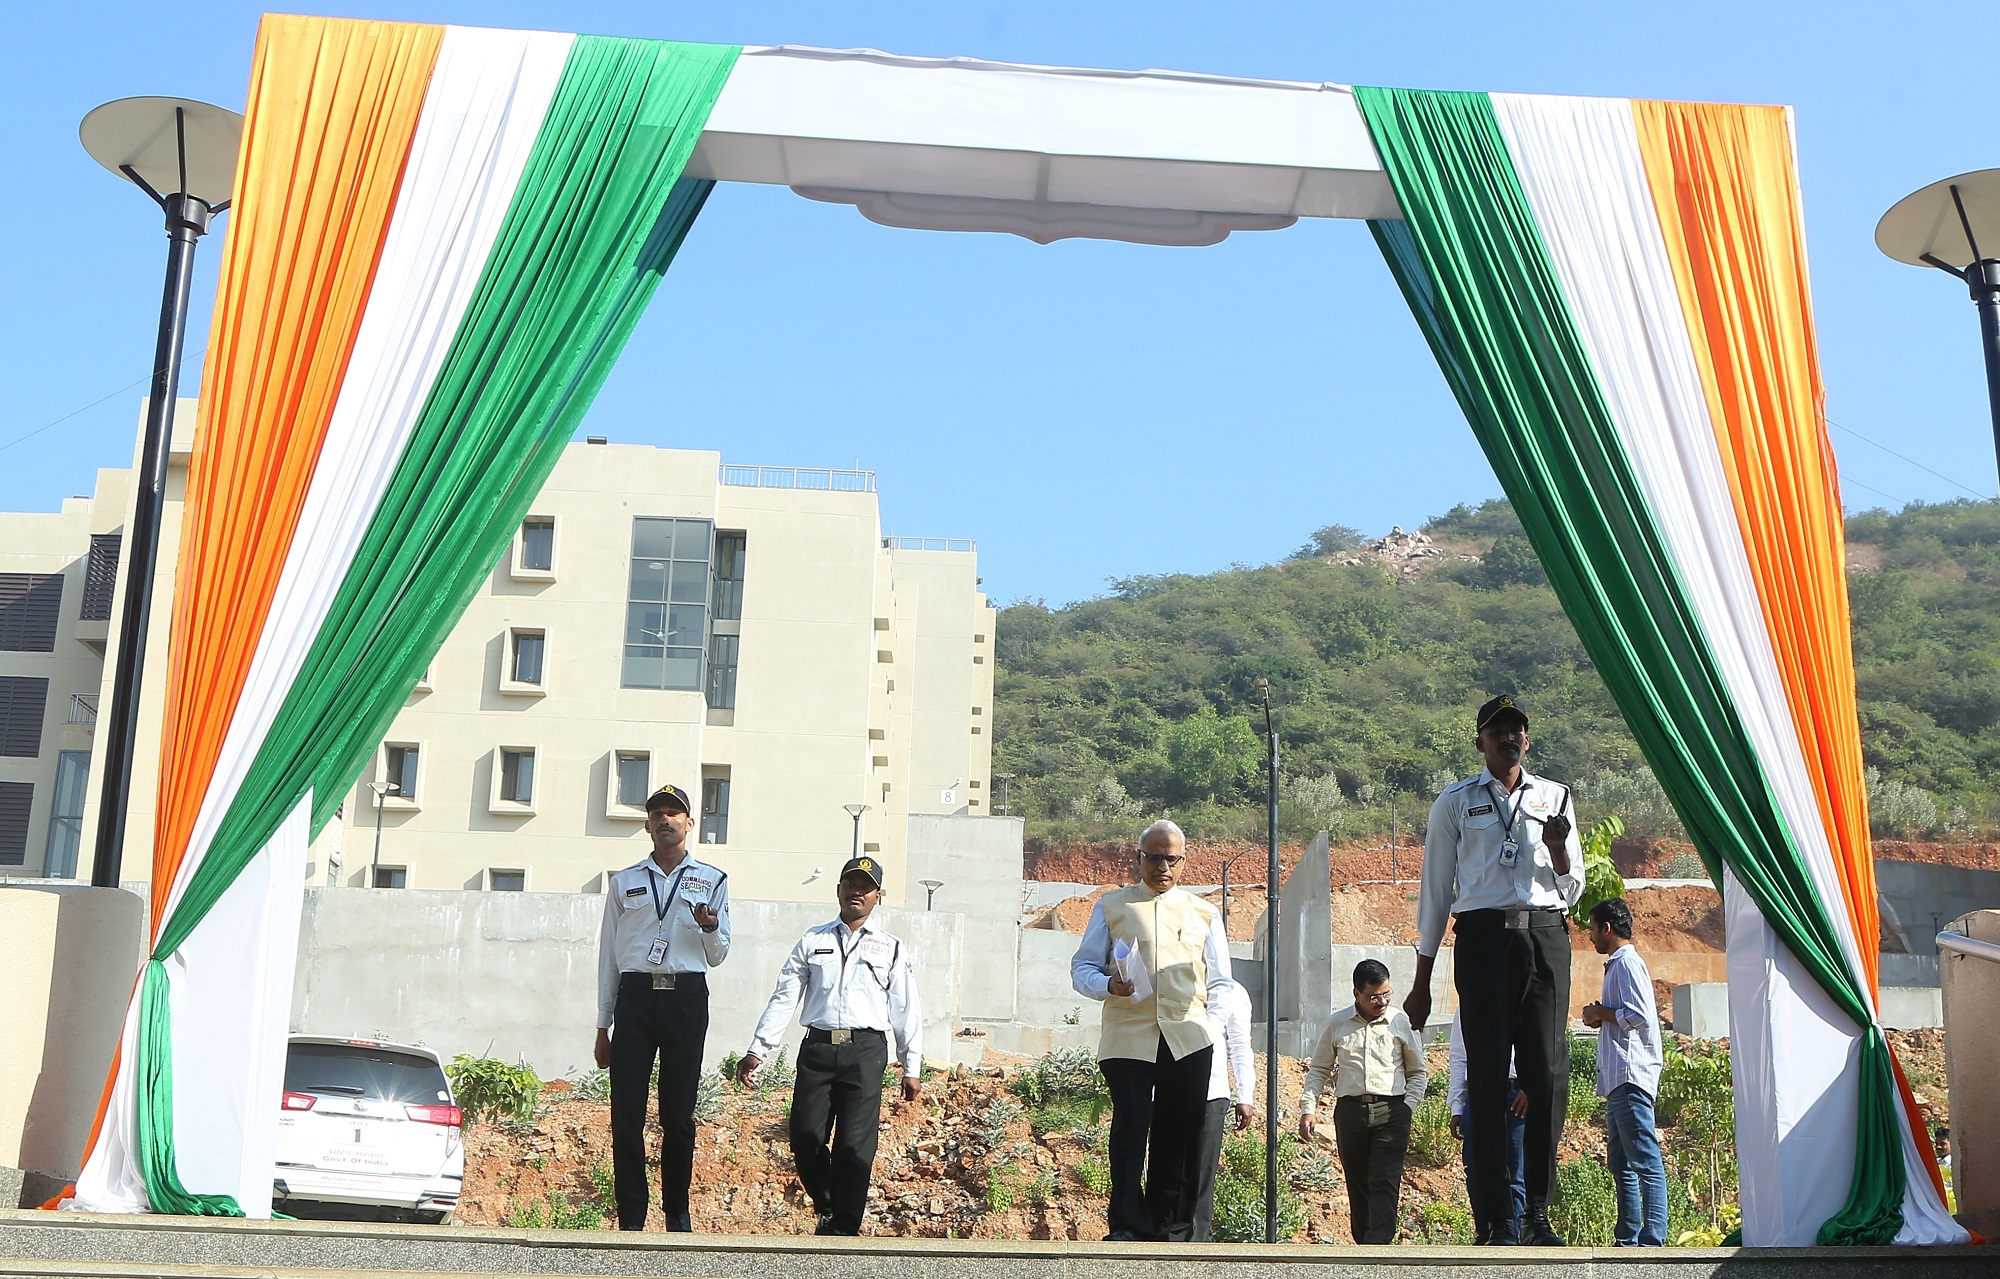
[847, 979]
[1463, 845]
[645, 904]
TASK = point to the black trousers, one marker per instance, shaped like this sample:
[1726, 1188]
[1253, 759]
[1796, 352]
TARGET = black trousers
[1199, 1194]
[1513, 998]
[838, 1097]
[670, 1025]
[1156, 1114]
[1373, 1137]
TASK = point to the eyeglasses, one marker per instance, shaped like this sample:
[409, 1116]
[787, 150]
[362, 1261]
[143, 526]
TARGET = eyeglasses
[1163, 859]
[1382, 998]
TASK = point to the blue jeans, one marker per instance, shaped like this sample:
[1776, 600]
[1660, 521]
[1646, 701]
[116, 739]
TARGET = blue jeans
[1517, 1179]
[1636, 1168]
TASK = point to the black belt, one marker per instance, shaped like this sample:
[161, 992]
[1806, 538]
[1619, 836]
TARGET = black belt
[821, 1035]
[663, 980]
[1370, 1098]
[1516, 919]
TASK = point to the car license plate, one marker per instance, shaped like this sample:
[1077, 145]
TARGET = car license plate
[361, 1158]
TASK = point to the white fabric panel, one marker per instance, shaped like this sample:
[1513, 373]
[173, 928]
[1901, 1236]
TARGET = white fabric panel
[489, 93]
[861, 120]
[232, 1000]
[1793, 1054]
[1046, 221]
[1585, 178]
[110, 1180]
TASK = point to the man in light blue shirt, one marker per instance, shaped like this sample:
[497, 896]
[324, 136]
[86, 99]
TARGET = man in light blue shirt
[1628, 1077]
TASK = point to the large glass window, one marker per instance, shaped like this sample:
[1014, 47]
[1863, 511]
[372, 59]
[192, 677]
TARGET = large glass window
[722, 671]
[527, 660]
[635, 774]
[66, 815]
[666, 614]
[517, 776]
[538, 543]
[715, 810]
[729, 577]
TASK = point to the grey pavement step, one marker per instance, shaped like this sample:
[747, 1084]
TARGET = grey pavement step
[126, 1247]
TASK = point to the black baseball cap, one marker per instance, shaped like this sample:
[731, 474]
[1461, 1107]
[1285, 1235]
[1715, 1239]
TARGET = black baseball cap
[668, 796]
[1501, 705]
[863, 865]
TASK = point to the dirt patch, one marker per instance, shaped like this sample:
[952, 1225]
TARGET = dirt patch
[1970, 856]
[1680, 920]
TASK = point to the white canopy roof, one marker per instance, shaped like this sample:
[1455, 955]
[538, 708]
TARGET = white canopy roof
[1156, 157]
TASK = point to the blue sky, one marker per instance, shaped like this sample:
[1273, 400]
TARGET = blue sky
[1086, 410]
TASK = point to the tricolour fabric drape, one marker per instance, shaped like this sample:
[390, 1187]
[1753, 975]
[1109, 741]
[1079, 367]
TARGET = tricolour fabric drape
[443, 238]
[1616, 294]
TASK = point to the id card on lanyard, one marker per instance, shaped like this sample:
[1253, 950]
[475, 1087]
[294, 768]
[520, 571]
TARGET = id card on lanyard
[658, 952]
[1510, 848]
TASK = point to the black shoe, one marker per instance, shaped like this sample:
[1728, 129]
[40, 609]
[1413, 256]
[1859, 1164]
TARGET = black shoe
[1121, 1236]
[1502, 1234]
[1482, 1234]
[1536, 1231]
[825, 1226]
[680, 1223]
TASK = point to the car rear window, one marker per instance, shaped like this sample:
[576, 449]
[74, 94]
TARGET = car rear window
[344, 1070]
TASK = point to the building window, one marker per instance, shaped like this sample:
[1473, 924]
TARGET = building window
[391, 877]
[100, 577]
[538, 544]
[722, 672]
[23, 701]
[16, 798]
[729, 577]
[666, 614]
[399, 770]
[507, 881]
[29, 606]
[66, 815]
[517, 775]
[524, 656]
[715, 809]
[633, 778]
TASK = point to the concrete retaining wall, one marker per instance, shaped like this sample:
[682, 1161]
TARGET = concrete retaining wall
[514, 975]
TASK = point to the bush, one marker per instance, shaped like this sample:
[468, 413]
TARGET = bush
[1311, 1170]
[488, 1088]
[1431, 1142]
[1441, 1222]
[1585, 1210]
[1683, 866]
[1041, 1188]
[999, 1115]
[1001, 1192]
[594, 1085]
[1239, 1190]
[1094, 1175]
[1601, 880]
[1064, 1091]
[559, 1210]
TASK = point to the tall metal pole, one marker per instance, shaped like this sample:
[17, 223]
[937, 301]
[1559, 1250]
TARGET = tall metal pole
[187, 220]
[375, 866]
[1983, 279]
[1271, 967]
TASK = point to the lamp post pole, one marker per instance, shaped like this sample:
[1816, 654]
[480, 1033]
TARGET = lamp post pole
[170, 139]
[382, 790]
[1271, 967]
[855, 811]
[930, 890]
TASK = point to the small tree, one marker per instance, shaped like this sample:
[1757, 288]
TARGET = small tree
[1209, 756]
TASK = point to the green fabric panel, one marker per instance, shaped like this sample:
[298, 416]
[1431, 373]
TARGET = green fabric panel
[154, 1071]
[1470, 261]
[599, 214]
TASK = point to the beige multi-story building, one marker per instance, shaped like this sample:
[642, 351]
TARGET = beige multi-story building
[746, 633]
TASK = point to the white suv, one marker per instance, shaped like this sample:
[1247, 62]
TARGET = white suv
[368, 1132]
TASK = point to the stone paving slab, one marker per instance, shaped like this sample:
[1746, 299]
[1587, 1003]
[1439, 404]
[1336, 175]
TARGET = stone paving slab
[132, 1246]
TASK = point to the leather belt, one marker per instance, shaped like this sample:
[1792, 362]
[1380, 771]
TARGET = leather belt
[821, 1035]
[1515, 919]
[663, 981]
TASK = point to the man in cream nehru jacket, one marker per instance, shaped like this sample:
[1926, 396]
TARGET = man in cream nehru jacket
[1155, 954]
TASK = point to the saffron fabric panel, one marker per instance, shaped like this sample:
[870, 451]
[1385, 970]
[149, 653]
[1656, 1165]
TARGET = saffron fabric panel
[536, 204]
[1535, 259]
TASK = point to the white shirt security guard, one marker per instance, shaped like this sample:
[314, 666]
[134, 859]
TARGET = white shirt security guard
[858, 989]
[1465, 849]
[666, 923]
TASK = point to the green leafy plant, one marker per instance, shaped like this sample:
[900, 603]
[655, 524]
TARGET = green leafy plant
[1239, 1190]
[1601, 880]
[1584, 1104]
[1064, 1091]
[999, 1115]
[488, 1088]
[1585, 1209]
[1441, 1223]
[592, 1085]
[1001, 1189]
[1094, 1175]
[1311, 1170]
[708, 1099]
[1041, 1188]
[1431, 1142]
[1696, 1097]
[1683, 866]
[560, 1210]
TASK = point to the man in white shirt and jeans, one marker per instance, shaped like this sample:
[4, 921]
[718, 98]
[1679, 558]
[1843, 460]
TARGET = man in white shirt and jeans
[1375, 1062]
[1497, 867]
[858, 989]
[1627, 1019]
[1232, 1084]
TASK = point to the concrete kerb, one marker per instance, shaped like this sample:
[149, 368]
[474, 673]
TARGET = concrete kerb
[35, 1242]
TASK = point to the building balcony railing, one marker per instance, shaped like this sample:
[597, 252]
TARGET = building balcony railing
[798, 477]
[930, 544]
[83, 709]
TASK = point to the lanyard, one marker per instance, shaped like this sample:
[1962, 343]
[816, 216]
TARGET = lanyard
[660, 911]
[1508, 814]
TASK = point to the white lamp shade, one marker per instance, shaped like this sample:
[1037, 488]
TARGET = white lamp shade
[141, 133]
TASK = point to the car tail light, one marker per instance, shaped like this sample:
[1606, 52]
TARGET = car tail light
[299, 1101]
[449, 1116]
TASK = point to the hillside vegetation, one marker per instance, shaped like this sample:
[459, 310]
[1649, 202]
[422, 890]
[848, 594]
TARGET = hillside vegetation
[1145, 701]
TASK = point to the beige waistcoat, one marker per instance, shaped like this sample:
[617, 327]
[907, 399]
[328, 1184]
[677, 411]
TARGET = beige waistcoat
[1169, 930]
